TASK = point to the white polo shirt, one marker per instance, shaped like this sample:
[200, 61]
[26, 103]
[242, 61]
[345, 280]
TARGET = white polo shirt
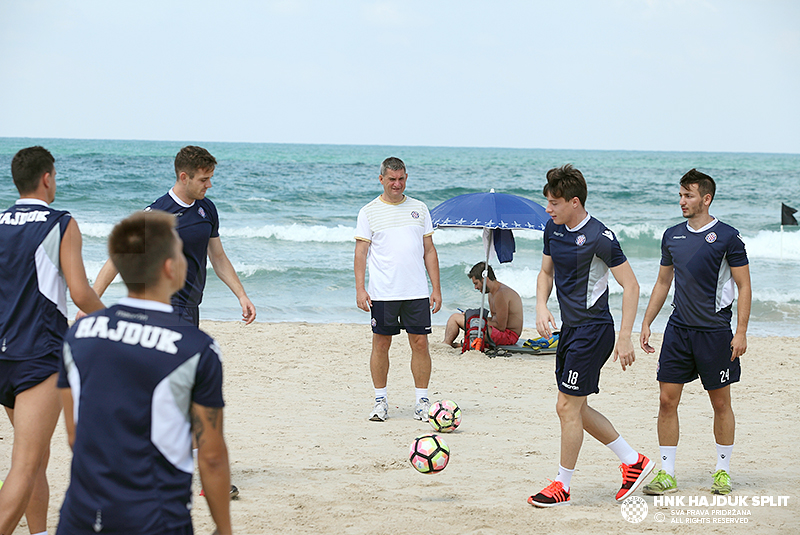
[396, 257]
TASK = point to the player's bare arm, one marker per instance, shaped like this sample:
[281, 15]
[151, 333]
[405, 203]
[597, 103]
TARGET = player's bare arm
[363, 299]
[224, 270]
[212, 461]
[741, 276]
[657, 299]
[103, 280]
[432, 266]
[544, 285]
[69, 417]
[74, 271]
[624, 275]
[105, 277]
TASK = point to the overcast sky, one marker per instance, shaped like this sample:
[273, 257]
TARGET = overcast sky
[705, 75]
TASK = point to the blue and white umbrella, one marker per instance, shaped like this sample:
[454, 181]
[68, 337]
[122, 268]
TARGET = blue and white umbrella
[492, 212]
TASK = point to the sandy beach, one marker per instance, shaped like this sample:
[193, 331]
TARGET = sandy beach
[307, 460]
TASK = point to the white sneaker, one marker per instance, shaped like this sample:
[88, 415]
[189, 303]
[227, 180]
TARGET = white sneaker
[381, 410]
[422, 408]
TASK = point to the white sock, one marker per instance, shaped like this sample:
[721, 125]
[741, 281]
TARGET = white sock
[565, 476]
[40, 533]
[724, 457]
[421, 393]
[381, 393]
[626, 454]
[668, 459]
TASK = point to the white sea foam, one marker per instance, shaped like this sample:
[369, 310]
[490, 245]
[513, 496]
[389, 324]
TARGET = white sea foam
[295, 233]
[774, 245]
[640, 230]
[95, 230]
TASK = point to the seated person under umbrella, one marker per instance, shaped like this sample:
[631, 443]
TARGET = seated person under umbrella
[505, 307]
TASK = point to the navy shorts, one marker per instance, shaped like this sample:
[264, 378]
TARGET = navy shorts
[190, 314]
[414, 315]
[581, 354]
[688, 353]
[17, 376]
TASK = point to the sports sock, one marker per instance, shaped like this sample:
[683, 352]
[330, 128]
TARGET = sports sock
[724, 457]
[40, 533]
[565, 476]
[421, 393]
[381, 393]
[668, 459]
[626, 454]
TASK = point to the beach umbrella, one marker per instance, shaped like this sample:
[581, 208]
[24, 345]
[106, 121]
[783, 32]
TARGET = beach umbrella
[498, 214]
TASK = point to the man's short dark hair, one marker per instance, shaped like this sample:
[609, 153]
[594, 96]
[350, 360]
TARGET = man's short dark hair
[705, 184]
[28, 166]
[566, 182]
[191, 159]
[477, 272]
[139, 245]
[395, 164]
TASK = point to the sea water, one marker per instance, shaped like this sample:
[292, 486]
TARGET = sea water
[288, 216]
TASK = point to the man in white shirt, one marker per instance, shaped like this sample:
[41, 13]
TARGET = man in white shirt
[394, 236]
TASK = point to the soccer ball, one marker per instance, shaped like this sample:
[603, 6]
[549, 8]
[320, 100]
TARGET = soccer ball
[429, 454]
[444, 416]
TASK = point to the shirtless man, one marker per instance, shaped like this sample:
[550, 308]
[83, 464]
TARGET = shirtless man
[505, 306]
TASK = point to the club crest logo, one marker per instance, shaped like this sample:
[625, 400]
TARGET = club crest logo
[415, 214]
[374, 322]
[580, 240]
[201, 212]
[711, 237]
[634, 509]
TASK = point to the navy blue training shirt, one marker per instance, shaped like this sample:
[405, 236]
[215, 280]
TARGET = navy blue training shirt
[581, 259]
[33, 293]
[196, 224]
[702, 261]
[134, 369]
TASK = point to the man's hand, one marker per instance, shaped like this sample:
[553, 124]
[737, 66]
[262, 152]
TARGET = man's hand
[544, 320]
[248, 310]
[363, 300]
[738, 346]
[624, 351]
[436, 301]
[644, 339]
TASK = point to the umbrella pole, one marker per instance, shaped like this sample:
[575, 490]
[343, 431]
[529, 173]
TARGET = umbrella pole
[485, 273]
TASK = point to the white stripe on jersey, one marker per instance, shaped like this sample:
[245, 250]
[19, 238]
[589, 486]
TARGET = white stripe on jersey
[597, 282]
[48, 270]
[170, 406]
[725, 286]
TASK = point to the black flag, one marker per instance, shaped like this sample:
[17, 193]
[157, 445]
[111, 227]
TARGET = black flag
[786, 215]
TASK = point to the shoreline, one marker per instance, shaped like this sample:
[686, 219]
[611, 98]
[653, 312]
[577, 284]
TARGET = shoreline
[527, 332]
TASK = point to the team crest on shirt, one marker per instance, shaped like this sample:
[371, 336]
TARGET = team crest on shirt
[415, 214]
[711, 237]
[201, 211]
[608, 234]
[580, 239]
